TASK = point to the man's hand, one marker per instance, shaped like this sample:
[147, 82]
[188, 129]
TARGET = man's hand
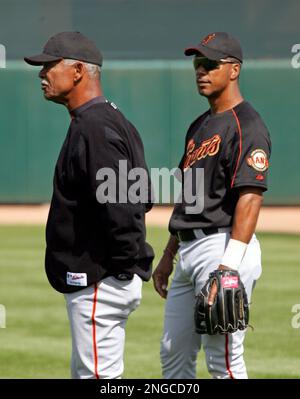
[214, 289]
[230, 310]
[244, 222]
[161, 275]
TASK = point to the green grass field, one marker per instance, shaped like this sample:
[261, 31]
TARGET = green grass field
[36, 341]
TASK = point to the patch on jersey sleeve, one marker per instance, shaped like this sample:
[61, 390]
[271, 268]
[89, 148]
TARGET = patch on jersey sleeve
[258, 160]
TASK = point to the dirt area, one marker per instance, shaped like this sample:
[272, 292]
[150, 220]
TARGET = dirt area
[272, 219]
[276, 219]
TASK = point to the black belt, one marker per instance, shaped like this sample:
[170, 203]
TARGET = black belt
[189, 235]
[124, 276]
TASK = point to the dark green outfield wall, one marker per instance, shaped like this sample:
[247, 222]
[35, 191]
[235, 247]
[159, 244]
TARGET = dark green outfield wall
[160, 98]
[151, 29]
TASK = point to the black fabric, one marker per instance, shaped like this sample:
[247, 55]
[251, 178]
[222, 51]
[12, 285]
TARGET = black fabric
[233, 148]
[217, 45]
[189, 235]
[83, 235]
[230, 310]
[73, 45]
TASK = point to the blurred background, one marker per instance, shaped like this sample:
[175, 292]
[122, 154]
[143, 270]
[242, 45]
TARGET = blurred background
[146, 74]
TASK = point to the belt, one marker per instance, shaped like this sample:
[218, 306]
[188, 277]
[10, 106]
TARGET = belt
[194, 234]
[124, 276]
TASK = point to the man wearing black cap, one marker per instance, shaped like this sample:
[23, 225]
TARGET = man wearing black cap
[96, 250]
[231, 145]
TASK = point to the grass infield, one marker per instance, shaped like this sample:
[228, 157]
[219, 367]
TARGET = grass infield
[36, 341]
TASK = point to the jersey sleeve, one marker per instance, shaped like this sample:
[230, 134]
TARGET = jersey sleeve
[249, 153]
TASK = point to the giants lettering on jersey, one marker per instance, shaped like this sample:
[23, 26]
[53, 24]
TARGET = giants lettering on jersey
[208, 147]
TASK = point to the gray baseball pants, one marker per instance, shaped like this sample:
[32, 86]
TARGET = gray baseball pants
[180, 343]
[98, 316]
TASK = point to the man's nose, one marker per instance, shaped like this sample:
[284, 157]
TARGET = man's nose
[42, 73]
[201, 70]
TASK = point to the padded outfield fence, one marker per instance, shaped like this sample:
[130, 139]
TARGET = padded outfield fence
[161, 99]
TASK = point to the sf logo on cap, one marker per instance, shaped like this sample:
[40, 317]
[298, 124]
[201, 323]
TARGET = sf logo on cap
[208, 38]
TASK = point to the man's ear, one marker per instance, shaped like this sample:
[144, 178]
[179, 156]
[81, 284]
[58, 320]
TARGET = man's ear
[235, 71]
[79, 71]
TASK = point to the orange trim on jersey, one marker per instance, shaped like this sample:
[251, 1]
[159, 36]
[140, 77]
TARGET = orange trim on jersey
[227, 358]
[94, 333]
[240, 153]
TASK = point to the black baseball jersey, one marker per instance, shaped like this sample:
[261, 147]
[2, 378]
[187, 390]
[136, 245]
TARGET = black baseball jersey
[233, 148]
[88, 240]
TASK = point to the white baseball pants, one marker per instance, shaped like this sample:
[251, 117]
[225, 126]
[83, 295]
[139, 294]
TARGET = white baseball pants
[98, 316]
[180, 343]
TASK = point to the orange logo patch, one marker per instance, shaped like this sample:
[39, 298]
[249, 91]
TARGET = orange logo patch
[208, 38]
[208, 147]
[258, 160]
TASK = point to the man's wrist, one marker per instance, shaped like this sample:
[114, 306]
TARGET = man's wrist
[234, 254]
[223, 267]
[168, 252]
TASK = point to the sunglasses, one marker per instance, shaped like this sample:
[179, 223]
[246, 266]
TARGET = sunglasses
[210, 65]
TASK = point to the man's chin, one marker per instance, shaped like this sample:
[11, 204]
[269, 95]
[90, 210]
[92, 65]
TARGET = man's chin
[207, 93]
[54, 99]
[203, 93]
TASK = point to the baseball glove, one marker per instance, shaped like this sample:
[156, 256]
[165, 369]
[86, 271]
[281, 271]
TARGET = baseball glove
[230, 310]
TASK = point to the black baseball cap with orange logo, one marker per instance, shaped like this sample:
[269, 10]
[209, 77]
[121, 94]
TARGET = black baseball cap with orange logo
[217, 46]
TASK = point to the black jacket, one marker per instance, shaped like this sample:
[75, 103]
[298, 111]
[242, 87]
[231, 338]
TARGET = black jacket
[88, 240]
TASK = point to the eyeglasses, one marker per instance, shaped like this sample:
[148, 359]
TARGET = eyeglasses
[210, 65]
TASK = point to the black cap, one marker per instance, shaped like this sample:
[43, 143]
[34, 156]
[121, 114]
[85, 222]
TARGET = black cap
[216, 46]
[73, 45]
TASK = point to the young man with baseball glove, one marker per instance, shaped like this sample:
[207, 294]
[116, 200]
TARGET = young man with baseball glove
[219, 258]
